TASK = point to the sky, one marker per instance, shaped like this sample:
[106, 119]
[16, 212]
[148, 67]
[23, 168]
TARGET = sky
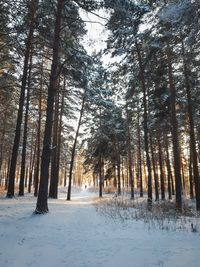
[95, 40]
[97, 34]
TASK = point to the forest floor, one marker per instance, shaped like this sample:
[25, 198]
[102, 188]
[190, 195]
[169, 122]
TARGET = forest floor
[74, 234]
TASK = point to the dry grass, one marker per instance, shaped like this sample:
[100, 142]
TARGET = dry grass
[163, 214]
[110, 190]
[2, 191]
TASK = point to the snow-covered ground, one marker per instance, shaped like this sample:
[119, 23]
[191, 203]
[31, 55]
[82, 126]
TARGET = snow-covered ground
[73, 234]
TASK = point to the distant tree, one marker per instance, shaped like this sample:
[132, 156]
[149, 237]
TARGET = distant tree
[31, 25]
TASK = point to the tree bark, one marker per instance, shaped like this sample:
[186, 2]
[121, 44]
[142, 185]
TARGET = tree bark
[11, 182]
[139, 158]
[53, 180]
[59, 139]
[100, 177]
[26, 176]
[191, 176]
[30, 166]
[130, 158]
[146, 141]
[37, 167]
[154, 170]
[118, 169]
[169, 173]
[74, 149]
[1, 145]
[123, 177]
[192, 133]
[42, 205]
[8, 170]
[23, 159]
[174, 130]
[162, 179]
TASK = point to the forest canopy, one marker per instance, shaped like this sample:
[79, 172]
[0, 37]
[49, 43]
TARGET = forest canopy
[68, 118]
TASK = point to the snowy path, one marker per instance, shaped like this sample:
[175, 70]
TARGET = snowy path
[73, 234]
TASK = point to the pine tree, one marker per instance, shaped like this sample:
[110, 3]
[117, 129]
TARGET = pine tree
[32, 18]
[42, 206]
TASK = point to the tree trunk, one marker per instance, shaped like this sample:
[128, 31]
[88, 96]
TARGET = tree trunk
[42, 205]
[23, 160]
[115, 177]
[26, 177]
[146, 142]
[117, 163]
[154, 171]
[192, 133]
[118, 175]
[175, 141]
[65, 173]
[191, 177]
[198, 142]
[74, 150]
[2, 144]
[183, 176]
[53, 180]
[130, 158]
[123, 177]
[59, 140]
[169, 173]
[139, 159]
[162, 179]
[30, 166]
[100, 177]
[11, 182]
[8, 170]
[37, 167]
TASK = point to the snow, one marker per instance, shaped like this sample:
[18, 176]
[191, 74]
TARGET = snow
[74, 234]
[174, 11]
